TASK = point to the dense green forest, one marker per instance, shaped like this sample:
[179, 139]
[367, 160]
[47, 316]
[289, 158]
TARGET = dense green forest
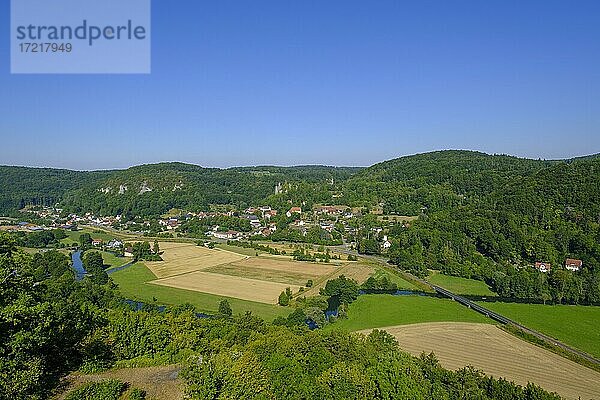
[52, 324]
[22, 186]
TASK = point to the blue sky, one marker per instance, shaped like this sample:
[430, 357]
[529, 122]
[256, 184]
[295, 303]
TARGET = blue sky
[336, 82]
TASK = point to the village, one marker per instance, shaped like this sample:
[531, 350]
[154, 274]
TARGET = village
[335, 225]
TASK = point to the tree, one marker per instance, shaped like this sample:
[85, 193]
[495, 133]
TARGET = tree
[284, 299]
[368, 246]
[345, 289]
[85, 241]
[156, 248]
[225, 308]
[94, 266]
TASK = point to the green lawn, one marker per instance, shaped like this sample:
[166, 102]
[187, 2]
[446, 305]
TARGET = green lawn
[460, 285]
[402, 283]
[376, 311]
[113, 261]
[578, 326]
[132, 284]
[240, 250]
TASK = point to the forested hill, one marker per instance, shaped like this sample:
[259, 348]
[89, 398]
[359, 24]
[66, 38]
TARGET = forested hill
[436, 180]
[409, 185]
[155, 188]
[482, 215]
[21, 186]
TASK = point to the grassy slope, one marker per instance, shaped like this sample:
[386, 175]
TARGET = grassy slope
[574, 325]
[375, 311]
[461, 285]
[132, 284]
[402, 283]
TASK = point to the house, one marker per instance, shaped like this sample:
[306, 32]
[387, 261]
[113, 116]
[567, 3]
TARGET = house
[327, 227]
[266, 232]
[269, 214]
[573, 264]
[331, 210]
[229, 235]
[542, 266]
[96, 242]
[114, 244]
[128, 251]
[293, 210]
[386, 243]
[254, 221]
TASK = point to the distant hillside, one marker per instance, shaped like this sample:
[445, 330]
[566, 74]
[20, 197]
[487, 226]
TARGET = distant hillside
[155, 188]
[21, 186]
[408, 185]
[436, 180]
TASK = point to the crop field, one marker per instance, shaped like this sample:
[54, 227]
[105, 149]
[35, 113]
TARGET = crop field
[499, 354]
[181, 258]
[460, 285]
[224, 273]
[226, 285]
[358, 272]
[259, 279]
[287, 264]
[134, 283]
[577, 326]
[289, 277]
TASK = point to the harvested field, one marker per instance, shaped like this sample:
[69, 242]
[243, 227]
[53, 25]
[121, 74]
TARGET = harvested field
[158, 382]
[225, 285]
[181, 258]
[499, 354]
[271, 275]
[287, 265]
[358, 272]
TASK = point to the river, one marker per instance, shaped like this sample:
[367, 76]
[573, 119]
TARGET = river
[78, 265]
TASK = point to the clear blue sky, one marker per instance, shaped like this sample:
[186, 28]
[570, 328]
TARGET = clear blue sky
[327, 82]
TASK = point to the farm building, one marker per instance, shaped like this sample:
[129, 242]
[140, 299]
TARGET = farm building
[573, 264]
[542, 266]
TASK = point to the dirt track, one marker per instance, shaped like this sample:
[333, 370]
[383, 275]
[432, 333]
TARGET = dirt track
[499, 354]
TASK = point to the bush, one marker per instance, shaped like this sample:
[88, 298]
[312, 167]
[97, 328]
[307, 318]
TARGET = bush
[136, 394]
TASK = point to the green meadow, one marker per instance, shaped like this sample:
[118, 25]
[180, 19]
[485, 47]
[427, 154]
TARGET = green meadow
[381, 310]
[577, 326]
[460, 285]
